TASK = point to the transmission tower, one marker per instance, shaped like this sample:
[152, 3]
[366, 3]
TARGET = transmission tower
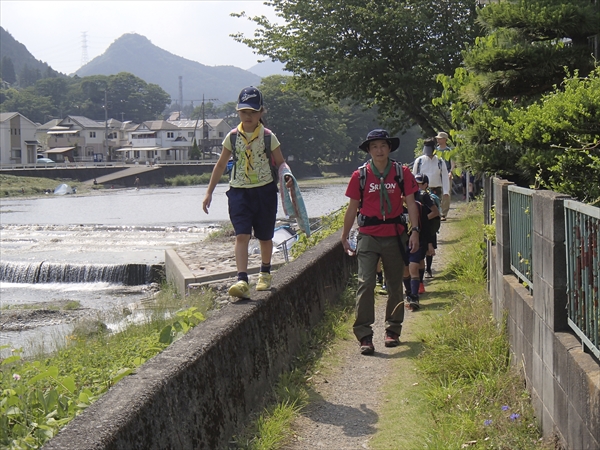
[84, 52]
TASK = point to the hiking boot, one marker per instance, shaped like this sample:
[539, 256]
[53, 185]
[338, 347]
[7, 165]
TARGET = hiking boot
[391, 339]
[382, 290]
[428, 274]
[240, 289]
[421, 288]
[264, 281]
[413, 302]
[366, 345]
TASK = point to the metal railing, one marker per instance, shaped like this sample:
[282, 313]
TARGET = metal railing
[582, 235]
[521, 230]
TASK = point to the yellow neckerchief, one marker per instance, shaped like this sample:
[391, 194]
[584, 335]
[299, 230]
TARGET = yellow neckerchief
[248, 151]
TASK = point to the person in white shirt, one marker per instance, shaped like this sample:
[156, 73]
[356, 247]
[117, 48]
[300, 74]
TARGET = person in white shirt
[435, 169]
[442, 150]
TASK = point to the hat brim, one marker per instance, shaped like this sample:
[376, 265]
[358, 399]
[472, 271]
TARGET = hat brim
[241, 106]
[394, 143]
[441, 136]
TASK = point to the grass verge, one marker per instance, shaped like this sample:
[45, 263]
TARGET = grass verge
[463, 391]
[38, 396]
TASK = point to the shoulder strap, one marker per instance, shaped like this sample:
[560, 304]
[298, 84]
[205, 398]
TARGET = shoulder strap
[399, 176]
[362, 178]
[232, 139]
[419, 162]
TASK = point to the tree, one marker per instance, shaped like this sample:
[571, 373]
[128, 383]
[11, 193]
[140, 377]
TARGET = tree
[529, 44]
[28, 76]
[377, 52]
[8, 70]
[307, 132]
[28, 103]
[523, 107]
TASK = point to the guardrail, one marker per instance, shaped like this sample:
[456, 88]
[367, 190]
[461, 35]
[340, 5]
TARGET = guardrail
[83, 164]
[520, 210]
[582, 235]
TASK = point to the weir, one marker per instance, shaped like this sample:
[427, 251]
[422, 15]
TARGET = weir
[46, 272]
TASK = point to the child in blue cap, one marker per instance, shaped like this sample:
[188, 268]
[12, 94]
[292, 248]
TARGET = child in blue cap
[252, 194]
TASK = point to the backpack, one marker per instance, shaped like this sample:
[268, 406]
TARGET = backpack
[436, 200]
[232, 162]
[362, 170]
[440, 162]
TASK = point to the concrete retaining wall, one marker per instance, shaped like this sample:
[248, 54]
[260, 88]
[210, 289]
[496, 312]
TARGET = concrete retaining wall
[200, 391]
[563, 380]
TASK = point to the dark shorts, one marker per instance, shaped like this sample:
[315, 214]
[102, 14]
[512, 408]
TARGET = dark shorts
[253, 209]
[417, 256]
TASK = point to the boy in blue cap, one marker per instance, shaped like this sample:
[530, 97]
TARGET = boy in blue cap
[378, 210]
[252, 195]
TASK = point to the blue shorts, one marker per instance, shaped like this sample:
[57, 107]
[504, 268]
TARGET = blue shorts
[417, 256]
[253, 209]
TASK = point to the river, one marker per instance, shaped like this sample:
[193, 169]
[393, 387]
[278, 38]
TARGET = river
[109, 227]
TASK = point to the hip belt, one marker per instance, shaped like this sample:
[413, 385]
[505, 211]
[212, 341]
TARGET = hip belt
[367, 221]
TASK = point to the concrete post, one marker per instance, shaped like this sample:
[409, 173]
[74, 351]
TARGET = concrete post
[502, 226]
[549, 259]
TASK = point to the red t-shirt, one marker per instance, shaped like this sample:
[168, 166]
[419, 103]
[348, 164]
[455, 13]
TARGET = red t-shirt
[371, 204]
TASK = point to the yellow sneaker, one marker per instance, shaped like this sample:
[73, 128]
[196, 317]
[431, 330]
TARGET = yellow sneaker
[240, 289]
[264, 281]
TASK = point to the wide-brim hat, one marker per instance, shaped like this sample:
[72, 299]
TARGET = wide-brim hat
[378, 135]
[442, 135]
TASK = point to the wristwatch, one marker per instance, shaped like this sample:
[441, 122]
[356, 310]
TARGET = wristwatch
[417, 229]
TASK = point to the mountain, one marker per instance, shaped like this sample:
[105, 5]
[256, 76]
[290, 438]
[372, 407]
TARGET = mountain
[135, 54]
[266, 68]
[20, 56]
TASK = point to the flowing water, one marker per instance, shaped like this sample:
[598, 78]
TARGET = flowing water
[102, 249]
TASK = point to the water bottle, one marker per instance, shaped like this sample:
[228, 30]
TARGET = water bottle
[352, 243]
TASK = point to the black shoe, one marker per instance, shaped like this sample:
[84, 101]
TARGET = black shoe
[428, 274]
[366, 345]
[391, 339]
[413, 302]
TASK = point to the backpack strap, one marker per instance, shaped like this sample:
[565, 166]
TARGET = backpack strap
[362, 178]
[399, 176]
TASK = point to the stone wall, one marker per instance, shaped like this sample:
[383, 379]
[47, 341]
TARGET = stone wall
[563, 380]
[201, 390]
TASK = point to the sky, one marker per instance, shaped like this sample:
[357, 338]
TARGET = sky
[55, 31]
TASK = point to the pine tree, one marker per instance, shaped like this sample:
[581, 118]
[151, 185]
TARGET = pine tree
[8, 70]
[529, 45]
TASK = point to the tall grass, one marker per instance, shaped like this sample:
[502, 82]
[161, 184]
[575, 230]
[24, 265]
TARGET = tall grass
[192, 180]
[39, 396]
[476, 397]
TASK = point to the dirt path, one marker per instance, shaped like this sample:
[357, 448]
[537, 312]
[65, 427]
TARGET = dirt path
[350, 390]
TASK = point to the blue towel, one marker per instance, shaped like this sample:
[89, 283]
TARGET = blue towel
[292, 201]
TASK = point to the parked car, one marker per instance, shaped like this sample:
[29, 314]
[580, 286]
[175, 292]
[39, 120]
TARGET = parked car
[45, 161]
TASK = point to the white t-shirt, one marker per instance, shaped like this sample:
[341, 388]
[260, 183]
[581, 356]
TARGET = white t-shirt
[436, 171]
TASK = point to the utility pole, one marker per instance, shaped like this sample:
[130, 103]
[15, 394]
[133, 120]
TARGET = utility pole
[106, 127]
[203, 123]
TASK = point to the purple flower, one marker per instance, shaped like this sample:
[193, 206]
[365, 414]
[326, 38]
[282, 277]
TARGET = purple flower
[514, 416]
[487, 423]
[16, 376]
[505, 408]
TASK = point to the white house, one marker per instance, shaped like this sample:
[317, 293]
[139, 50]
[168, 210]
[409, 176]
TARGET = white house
[18, 144]
[209, 134]
[77, 138]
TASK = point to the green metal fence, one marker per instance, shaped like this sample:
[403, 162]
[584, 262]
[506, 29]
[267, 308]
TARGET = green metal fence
[582, 234]
[521, 238]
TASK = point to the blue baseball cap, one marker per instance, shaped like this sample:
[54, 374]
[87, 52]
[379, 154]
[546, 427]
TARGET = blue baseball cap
[250, 98]
[380, 134]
